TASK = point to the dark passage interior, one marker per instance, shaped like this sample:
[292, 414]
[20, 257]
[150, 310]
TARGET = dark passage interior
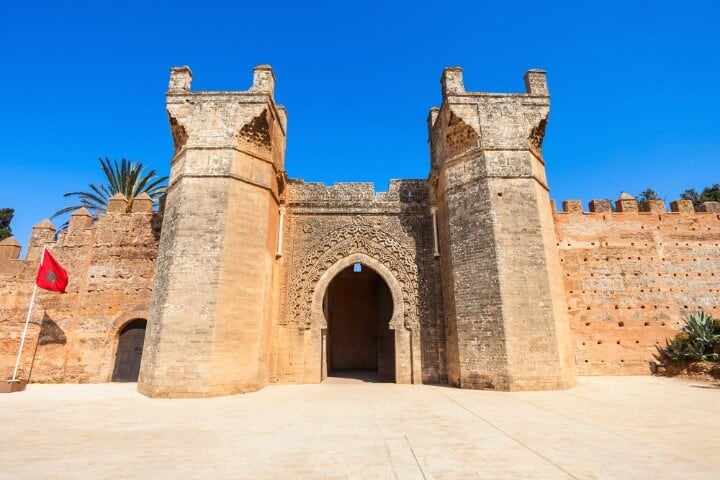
[358, 308]
[129, 352]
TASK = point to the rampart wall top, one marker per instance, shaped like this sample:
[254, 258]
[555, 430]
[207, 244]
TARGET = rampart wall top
[402, 195]
[628, 204]
[84, 230]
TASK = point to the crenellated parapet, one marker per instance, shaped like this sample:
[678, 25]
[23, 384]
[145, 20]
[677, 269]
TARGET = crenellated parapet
[630, 276]
[401, 196]
[138, 227]
[627, 204]
[247, 122]
[498, 124]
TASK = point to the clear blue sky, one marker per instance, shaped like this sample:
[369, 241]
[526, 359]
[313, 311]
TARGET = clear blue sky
[634, 86]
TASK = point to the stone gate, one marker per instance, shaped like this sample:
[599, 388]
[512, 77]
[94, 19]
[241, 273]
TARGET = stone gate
[248, 277]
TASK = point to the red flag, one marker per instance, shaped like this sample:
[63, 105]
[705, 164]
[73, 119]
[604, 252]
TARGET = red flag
[51, 276]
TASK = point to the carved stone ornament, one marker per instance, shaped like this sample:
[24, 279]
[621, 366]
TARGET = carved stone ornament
[357, 237]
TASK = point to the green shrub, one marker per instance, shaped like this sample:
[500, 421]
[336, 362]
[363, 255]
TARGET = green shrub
[698, 341]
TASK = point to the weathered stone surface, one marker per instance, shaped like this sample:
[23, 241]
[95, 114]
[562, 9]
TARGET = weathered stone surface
[505, 319]
[490, 287]
[572, 206]
[118, 203]
[710, 207]
[72, 337]
[626, 203]
[629, 278]
[10, 248]
[142, 204]
[682, 206]
[600, 206]
[655, 206]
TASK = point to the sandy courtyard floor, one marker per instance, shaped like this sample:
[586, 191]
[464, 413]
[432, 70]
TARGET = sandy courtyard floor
[605, 428]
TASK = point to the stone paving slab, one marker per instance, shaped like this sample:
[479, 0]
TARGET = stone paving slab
[605, 428]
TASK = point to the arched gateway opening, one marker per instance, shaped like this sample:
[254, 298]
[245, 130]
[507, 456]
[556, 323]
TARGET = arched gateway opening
[404, 339]
[129, 351]
[358, 307]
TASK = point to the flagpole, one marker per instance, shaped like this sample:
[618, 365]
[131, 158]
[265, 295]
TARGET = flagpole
[27, 320]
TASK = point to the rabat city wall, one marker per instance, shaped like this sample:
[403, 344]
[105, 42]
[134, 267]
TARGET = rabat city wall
[72, 337]
[630, 277]
[490, 287]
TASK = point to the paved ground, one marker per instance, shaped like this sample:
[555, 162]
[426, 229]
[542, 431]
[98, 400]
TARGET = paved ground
[605, 428]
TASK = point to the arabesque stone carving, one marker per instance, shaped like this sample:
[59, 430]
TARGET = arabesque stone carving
[359, 236]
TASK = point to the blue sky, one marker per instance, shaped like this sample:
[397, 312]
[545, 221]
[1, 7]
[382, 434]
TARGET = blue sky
[634, 86]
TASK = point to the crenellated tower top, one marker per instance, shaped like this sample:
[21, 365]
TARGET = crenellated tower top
[472, 122]
[487, 182]
[246, 121]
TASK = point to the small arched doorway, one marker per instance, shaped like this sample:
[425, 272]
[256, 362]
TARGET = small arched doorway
[358, 306]
[129, 351]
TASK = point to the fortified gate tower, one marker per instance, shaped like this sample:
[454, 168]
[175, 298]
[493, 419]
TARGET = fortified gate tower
[208, 331]
[505, 312]
[455, 279]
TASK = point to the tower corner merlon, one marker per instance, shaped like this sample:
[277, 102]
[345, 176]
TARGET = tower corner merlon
[263, 80]
[180, 79]
[626, 203]
[9, 249]
[452, 81]
[536, 82]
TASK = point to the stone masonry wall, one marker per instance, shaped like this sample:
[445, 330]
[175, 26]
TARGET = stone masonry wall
[72, 337]
[630, 278]
[326, 224]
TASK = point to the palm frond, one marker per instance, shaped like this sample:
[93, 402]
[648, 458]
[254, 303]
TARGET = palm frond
[99, 192]
[111, 173]
[65, 210]
[140, 184]
[89, 196]
[125, 177]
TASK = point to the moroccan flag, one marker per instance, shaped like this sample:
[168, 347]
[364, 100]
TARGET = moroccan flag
[51, 276]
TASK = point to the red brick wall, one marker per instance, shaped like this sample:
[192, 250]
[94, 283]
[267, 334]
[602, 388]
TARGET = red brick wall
[73, 336]
[629, 280]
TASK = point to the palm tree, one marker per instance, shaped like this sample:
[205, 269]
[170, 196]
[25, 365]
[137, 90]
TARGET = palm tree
[127, 178]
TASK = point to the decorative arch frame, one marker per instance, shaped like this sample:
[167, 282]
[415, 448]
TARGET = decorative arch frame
[397, 319]
[357, 237]
[367, 244]
[405, 355]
